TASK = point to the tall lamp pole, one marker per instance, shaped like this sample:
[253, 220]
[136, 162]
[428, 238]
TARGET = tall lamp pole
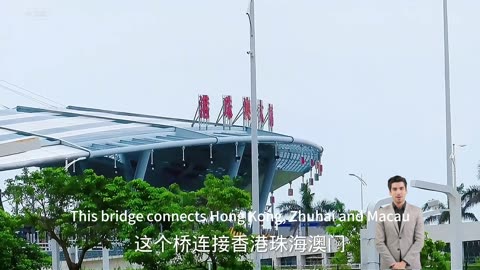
[362, 183]
[456, 247]
[448, 117]
[254, 127]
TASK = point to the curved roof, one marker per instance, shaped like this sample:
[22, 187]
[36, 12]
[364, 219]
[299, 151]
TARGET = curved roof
[34, 136]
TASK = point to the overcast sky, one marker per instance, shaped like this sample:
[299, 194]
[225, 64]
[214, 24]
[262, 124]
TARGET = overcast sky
[364, 79]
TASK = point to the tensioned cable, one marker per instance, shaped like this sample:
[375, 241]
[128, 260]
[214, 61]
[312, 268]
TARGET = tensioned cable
[25, 95]
[32, 92]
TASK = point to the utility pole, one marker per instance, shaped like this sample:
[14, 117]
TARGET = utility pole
[254, 130]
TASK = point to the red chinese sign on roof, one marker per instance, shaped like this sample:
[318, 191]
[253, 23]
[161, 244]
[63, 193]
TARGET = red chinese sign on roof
[227, 107]
[247, 112]
[270, 116]
[204, 104]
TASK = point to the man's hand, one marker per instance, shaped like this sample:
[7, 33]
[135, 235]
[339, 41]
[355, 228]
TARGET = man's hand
[399, 265]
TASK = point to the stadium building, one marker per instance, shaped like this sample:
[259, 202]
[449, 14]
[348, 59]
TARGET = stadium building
[160, 150]
[157, 149]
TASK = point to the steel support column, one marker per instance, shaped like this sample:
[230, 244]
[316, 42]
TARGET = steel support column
[267, 182]
[142, 164]
[235, 164]
[127, 166]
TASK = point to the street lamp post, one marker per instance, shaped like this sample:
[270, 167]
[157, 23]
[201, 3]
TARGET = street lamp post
[362, 183]
[456, 247]
[254, 127]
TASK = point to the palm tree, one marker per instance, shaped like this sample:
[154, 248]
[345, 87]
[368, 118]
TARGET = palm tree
[472, 194]
[307, 207]
[470, 197]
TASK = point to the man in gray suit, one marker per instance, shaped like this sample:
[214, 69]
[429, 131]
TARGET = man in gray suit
[400, 231]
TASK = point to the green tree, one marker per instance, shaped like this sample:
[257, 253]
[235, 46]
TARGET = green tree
[16, 253]
[433, 255]
[145, 200]
[51, 200]
[217, 195]
[221, 196]
[349, 226]
[307, 206]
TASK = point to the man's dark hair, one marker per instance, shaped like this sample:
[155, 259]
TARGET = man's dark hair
[396, 179]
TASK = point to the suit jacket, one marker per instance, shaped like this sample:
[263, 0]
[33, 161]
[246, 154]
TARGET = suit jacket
[396, 244]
